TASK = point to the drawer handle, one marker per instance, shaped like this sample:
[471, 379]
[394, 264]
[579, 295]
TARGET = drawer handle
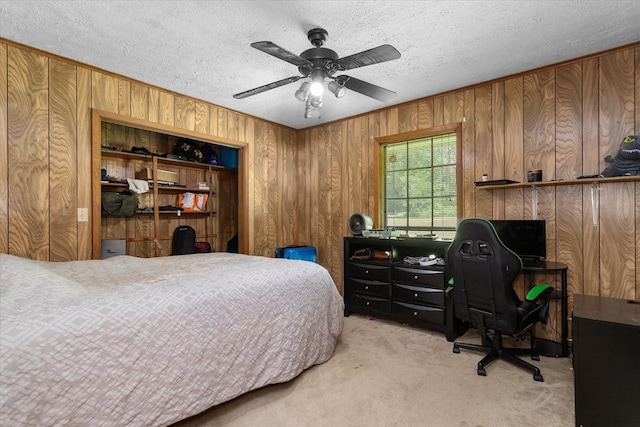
[415, 277]
[367, 303]
[415, 313]
[366, 272]
[415, 295]
[366, 288]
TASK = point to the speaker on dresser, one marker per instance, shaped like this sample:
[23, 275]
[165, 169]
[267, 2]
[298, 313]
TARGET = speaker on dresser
[359, 222]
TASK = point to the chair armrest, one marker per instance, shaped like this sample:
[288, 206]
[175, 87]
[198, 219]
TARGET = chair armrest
[535, 294]
[447, 291]
[539, 291]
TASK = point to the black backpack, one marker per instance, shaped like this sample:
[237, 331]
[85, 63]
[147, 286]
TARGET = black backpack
[184, 240]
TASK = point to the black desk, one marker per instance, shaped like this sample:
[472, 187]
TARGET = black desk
[547, 347]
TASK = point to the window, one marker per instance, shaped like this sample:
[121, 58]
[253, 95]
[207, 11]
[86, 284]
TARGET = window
[419, 183]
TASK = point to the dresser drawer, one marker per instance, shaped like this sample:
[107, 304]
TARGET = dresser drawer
[372, 287]
[380, 273]
[410, 275]
[370, 303]
[418, 312]
[419, 294]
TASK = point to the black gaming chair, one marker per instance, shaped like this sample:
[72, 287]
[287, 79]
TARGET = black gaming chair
[482, 270]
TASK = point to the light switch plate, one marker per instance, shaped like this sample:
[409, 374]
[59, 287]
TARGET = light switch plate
[83, 214]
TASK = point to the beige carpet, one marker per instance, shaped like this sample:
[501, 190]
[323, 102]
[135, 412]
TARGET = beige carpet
[388, 374]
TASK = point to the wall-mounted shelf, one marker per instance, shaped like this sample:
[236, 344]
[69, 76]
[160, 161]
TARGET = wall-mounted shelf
[562, 182]
[594, 182]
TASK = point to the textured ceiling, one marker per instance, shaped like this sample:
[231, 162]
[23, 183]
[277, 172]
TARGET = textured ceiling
[201, 48]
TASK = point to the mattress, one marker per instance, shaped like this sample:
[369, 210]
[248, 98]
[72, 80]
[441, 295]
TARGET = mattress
[133, 341]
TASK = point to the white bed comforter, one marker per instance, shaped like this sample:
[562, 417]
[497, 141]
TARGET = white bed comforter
[131, 341]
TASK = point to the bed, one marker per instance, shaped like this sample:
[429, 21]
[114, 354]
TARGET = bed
[133, 341]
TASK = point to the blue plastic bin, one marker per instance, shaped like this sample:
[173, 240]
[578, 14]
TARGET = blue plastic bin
[304, 253]
[229, 157]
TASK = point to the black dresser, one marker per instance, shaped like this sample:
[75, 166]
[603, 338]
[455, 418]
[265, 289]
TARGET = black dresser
[391, 289]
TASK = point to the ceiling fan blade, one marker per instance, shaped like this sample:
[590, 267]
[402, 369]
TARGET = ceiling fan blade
[376, 55]
[280, 53]
[267, 87]
[377, 92]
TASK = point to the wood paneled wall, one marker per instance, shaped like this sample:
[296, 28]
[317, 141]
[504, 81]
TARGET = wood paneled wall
[563, 119]
[45, 153]
[300, 187]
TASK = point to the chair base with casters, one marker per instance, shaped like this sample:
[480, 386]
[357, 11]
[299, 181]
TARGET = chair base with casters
[494, 349]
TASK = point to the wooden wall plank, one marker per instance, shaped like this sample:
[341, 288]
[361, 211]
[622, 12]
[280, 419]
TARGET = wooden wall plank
[590, 165]
[104, 92]
[514, 129]
[468, 198]
[616, 100]
[568, 150]
[339, 216]
[637, 265]
[617, 255]
[246, 185]
[323, 156]
[166, 113]
[483, 148]
[233, 122]
[425, 114]
[616, 97]
[637, 131]
[84, 173]
[222, 122]
[202, 117]
[498, 145]
[368, 153]
[273, 199]
[185, 113]
[569, 165]
[353, 165]
[302, 197]
[539, 123]
[28, 154]
[4, 161]
[124, 97]
[140, 102]
[288, 215]
[313, 190]
[63, 163]
[453, 108]
[438, 111]
[407, 117]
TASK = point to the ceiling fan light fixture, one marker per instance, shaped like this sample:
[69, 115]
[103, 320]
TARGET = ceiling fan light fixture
[312, 112]
[303, 92]
[315, 101]
[317, 87]
[337, 89]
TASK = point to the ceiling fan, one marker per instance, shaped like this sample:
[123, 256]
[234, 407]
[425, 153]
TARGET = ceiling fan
[319, 64]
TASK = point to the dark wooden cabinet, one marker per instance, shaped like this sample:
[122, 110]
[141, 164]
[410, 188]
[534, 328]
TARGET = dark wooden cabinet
[606, 361]
[392, 289]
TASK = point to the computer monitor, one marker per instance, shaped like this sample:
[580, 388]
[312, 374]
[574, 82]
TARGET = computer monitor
[527, 238]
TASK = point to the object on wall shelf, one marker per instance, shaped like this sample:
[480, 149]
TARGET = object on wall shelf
[595, 202]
